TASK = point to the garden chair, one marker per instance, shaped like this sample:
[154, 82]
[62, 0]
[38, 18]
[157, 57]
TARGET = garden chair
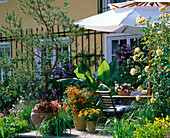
[109, 106]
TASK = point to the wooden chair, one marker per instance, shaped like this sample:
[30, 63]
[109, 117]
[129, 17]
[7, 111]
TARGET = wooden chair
[109, 106]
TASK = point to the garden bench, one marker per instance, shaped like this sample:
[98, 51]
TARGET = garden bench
[109, 106]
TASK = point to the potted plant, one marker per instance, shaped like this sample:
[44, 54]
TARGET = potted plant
[44, 110]
[76, 100]
[124, 89]
[90, 116]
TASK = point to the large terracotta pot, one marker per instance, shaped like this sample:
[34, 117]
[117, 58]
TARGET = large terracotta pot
[91, 126]
[123, 93]
[38, 116]
[79, 122]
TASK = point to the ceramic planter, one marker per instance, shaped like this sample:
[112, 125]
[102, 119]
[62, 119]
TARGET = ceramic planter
[38, 116]
[79, 122]
[123, 93]
[91, 126]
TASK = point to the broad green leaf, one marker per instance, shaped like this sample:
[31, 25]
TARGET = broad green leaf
[79, 73]
[89, 77]
[113, 69]
[104, 72]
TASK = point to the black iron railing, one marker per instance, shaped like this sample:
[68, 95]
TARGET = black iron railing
[103, 4]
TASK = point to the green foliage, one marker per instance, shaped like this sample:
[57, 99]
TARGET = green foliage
[119, 128]
[159, 128]
[57, 126]
[10, 126]
[145, 109]
[104, 72]
[7, 98]
[23, 111]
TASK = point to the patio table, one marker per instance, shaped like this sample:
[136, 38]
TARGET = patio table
[129, 99]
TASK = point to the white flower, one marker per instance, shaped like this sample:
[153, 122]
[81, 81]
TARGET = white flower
[139, 76]
[121, 87]
[137, 98]
[133, 71]
[159, 52]
[144, 91]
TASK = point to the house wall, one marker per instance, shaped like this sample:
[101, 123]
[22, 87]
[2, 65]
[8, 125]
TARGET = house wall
[79, 9]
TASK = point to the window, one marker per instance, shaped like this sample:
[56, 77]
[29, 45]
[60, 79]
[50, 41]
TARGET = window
[113, 40]
[103, 4]
[5, 49]
[51, 57]
[2, 1]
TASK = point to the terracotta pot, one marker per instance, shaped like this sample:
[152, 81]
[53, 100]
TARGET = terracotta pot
[123, 93]
[38, 116]
[79, 122]
[91, 126]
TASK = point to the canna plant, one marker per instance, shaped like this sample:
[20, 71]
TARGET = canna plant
[102, 80]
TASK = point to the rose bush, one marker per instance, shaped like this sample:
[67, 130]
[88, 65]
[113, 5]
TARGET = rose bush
[156, 73]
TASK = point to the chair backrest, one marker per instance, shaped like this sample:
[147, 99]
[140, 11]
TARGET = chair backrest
[107, 100]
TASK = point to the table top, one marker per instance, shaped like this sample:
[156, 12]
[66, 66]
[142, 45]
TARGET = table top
[130, 97]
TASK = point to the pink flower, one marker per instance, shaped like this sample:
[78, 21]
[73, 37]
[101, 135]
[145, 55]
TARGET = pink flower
[30, 94]
[126, 90]
[124, 52]
[16, 118]
[129, 84]
[117, 55]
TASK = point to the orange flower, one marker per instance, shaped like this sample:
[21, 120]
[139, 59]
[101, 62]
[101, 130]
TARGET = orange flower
[152, 100]
[64, 106]
[66, 110]
[72, 98]
[75, 101]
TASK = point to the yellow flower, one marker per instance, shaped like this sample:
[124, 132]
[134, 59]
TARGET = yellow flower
[133, 71]
[164, 6]
[160, 16]
[167, 118]
[161, 8]
[159, 52]
[137, 49]
[167, 15]
[152, 100]
[153, 25]
[146, 68]
[143, 19]
[159, 32]
[139, 88]
[134, 57]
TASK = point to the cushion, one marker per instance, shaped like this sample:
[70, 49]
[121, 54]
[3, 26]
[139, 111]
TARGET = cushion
[119, 108]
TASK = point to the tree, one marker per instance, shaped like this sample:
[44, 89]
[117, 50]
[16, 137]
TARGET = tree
[42, 45]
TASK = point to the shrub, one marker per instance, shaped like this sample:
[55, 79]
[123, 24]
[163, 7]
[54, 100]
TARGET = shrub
[11, 126]
[7, 98]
